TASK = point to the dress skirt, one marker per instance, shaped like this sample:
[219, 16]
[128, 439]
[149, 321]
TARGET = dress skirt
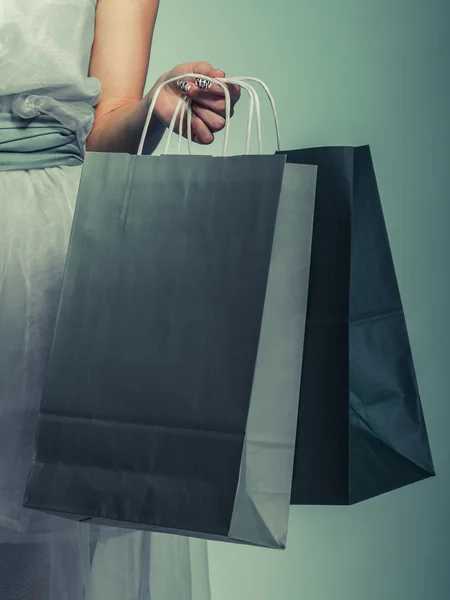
[43, 557]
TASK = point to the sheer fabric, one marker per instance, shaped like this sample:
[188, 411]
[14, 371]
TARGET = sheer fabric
[45, 48]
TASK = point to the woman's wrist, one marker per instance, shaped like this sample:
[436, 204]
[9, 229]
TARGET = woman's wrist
[156, 128]
[120, 128]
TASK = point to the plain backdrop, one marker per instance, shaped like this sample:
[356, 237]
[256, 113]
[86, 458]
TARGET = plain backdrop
[351, 72]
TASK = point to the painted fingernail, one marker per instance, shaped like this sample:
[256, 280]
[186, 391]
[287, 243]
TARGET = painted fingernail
[203, 84]
[184, 86]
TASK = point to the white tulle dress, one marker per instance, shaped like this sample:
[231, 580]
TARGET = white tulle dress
[45, 48]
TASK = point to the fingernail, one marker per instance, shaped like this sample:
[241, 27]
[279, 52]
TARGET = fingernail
[184, 86]
[203, 84]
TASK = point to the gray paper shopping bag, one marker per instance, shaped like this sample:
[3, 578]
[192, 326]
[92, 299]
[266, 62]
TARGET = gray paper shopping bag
[361, 430]
[172, 388]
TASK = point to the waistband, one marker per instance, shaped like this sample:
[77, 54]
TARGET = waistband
[37, 143]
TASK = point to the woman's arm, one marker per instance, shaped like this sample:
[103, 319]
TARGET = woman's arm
[120, 58]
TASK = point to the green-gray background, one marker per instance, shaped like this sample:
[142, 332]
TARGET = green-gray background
[352, 72]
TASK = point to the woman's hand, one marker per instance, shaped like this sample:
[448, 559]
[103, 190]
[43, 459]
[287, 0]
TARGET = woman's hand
[119, 128]
[208, 106]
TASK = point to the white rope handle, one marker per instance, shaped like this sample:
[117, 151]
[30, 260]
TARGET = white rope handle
[254, 99]
[189, 127]
[185, 103]
[173, 79]
[181, 104]
[272, 102]
[184, 106]
[187, 107]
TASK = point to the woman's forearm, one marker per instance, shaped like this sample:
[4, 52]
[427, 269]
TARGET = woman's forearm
[120, 58]
[121, 129]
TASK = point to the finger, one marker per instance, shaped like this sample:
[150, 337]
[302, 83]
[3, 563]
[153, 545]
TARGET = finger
[203, 98]
[211, 119]
[206, 69]
[205, 87]
[202, 133]
[214, 104]
[235, 90]
[203, 68]
[184, 85]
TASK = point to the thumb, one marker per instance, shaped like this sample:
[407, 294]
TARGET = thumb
[204, 68]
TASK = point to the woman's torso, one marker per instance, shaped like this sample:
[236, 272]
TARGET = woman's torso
[45, 48]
